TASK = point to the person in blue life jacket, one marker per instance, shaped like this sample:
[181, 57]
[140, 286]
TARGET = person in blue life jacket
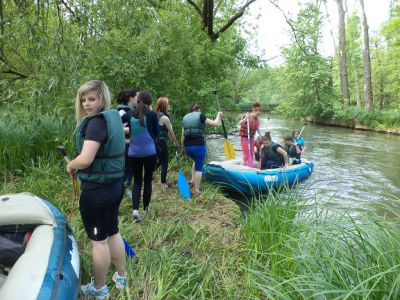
[272, 154]
[193, 142]
[166, 132]
[127, 101]
[143, 127]
[299, 140]
[293, 150]
[99, 165]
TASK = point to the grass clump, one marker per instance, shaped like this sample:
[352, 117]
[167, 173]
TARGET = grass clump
[296, 251]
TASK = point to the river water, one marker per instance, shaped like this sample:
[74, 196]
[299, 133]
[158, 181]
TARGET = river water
[352, 167]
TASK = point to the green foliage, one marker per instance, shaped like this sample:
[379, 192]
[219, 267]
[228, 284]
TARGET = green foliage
[160, 48]
[299, 251]
[377, 119]
[27, 138]
[306, 81]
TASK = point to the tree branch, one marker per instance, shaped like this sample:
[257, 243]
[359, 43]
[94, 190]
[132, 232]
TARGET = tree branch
[68, 8]
[290, 23]
[196, 7]
[20, 75]
[234, 18]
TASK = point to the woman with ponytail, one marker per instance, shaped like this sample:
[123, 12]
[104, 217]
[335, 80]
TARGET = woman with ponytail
[143, 126]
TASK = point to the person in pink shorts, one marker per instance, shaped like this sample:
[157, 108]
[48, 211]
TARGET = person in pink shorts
[254, 126]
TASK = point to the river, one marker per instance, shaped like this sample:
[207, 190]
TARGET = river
[351, 167]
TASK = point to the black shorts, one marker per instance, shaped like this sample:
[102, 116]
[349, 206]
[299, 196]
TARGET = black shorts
[99, 204]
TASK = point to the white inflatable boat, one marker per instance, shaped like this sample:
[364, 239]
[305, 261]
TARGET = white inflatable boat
[39, 256]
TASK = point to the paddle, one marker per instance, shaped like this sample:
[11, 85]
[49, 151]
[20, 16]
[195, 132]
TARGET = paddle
[183, 184]
[63, 152]
[128, 249]
[301, 131]
[228, 147]
[250, 162]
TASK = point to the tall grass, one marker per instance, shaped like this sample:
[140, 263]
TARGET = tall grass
[309, 251]
[26, 137]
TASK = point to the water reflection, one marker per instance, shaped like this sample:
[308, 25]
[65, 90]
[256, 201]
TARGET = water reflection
[353, 167]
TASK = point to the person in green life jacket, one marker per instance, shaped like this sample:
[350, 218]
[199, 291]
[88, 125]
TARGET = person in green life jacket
[127, 101]
[293, 150]
[272, 154]
[299, 140]
[193, 142]
[99, 165]
[166, 132]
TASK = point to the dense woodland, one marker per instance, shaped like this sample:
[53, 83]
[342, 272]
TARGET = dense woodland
[186, 49]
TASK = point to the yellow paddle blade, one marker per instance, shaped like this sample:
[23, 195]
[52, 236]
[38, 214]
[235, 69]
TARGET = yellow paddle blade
[229, 150]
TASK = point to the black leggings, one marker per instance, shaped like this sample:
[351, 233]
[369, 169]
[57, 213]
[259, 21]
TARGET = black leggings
[162, 153]
[149, 165]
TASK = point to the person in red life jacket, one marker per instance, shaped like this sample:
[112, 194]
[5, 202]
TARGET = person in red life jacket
[254, 126]
[272, 154]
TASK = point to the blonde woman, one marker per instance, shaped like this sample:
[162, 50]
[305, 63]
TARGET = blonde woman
[99, 165]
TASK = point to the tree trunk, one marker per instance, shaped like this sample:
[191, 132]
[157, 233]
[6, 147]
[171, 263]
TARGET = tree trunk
[357, 81]
[1, 30]
[369, 104]
[344, 80]
[333, 39]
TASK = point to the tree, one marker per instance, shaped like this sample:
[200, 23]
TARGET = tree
[209, 11]
[307, 79]
[354, 55]
[344, 81]
[369, 104]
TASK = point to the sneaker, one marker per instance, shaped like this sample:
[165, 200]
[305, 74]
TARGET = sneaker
[197, 193]
[89, 290]
[120, 281]
[136, 216]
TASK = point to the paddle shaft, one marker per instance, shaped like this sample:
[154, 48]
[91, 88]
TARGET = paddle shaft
[301, 131]
[250, 156]
[222, 120]
[63, 152]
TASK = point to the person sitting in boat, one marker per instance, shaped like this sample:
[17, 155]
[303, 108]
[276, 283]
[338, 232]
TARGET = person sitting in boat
[297, 138]
[193, 141]
[293, 150]
[254, 124]
[272, 154]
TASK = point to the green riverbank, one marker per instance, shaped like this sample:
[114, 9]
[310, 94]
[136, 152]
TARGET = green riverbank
[206, 249]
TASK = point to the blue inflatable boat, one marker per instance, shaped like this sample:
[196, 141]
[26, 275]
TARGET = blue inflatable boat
[251, 181]
[39, 257]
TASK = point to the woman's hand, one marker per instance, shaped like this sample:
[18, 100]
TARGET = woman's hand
[70, 171]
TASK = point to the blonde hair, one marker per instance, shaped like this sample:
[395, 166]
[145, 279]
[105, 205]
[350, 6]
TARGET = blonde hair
[102, 91]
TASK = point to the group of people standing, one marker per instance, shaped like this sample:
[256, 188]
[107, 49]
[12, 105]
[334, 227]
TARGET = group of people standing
[115, 146]
[269, 154]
